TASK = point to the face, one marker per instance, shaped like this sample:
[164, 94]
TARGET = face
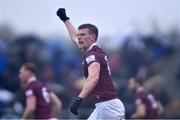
[132, 84]
[85, 39]
[24, 74]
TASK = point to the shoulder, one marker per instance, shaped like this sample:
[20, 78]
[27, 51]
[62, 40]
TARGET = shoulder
[96, 50]
[95, 54]
[31, 88]
[47, 88]
[140, 97]
[89, 57]
[141, 94]
[92, 56]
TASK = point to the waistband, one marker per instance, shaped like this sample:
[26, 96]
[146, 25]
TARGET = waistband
[104, 99]
[53, 119]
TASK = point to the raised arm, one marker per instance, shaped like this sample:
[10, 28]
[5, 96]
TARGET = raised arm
[61, 13]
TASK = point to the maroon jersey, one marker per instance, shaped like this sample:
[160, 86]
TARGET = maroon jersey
[143, 97]
[104, 89]
[41, 92]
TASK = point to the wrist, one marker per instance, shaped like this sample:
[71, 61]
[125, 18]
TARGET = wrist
[65, 19]
[82, 96]
[79, 98]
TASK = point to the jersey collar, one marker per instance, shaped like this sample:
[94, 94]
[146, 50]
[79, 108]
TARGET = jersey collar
[94, 44]
[32, 79]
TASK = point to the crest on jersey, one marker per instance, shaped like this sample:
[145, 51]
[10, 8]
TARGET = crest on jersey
[29, 92]
[90, 58]
[138, 101]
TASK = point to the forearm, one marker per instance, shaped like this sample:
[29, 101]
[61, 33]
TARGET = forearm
[136, 115]
[88, 87]
[61, 13]
[72, 31]
[27, 114]
[57, 111]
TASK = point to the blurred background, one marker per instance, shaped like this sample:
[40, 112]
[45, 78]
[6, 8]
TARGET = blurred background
[141, 38]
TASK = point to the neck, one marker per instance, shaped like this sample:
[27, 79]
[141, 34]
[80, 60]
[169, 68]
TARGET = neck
[90, 47]
[139, 88]
[31, 78]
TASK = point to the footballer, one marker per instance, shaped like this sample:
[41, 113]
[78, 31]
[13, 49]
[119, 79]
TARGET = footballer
[99, 84]
[147, 106]
[39, 99]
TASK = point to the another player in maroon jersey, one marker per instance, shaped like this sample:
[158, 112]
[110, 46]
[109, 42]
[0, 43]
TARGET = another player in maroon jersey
[39, 99]
[99, 82]
[146, 105]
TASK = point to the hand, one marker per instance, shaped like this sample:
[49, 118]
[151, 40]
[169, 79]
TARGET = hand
[74, 107]
[61, 13]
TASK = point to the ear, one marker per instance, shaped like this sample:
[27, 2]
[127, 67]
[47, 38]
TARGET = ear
[93, 37]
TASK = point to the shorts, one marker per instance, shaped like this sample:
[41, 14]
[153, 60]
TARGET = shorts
[111, 109]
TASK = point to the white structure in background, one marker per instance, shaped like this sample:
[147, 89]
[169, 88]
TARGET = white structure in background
[6, 96]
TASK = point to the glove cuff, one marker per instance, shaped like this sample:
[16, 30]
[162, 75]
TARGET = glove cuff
[79, 99]
[64, 19]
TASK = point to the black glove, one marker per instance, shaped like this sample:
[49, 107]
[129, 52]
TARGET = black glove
[62, 14]
[74, 107]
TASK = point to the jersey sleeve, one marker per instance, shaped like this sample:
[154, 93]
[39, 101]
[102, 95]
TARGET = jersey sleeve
[92, 57]
[49, 89]
[29, 91]
[139, 99]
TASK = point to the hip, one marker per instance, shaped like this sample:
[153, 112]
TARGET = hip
[103, 96]
[112, 102]
[114, 106]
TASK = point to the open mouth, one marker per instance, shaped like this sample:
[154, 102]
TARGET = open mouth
[81, 42]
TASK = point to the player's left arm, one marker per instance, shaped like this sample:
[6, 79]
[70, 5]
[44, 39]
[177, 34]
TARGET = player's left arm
[140, 111]
[92, 79]
[30, 107]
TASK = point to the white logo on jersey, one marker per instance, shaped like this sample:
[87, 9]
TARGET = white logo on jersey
[45, 94]
[90, 59]
[107, 65]
[153, 101]
[29, 92]
[138, 101]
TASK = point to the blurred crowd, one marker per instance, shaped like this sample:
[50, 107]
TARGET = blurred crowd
[152, 57]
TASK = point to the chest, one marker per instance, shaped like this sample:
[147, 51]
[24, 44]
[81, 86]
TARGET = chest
[85, 68]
